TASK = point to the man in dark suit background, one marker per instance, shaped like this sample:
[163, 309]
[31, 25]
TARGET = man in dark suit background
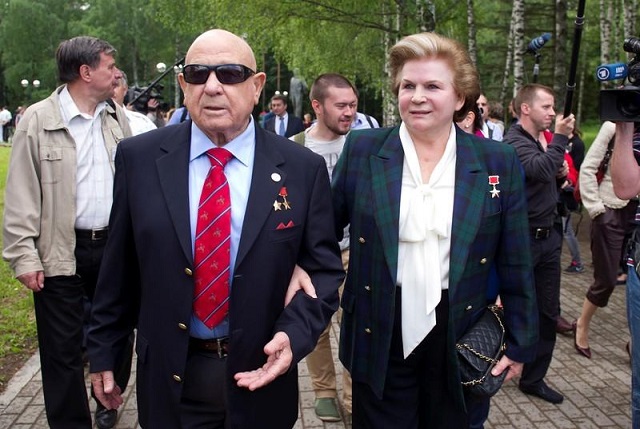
[240, 372]
[282, 123]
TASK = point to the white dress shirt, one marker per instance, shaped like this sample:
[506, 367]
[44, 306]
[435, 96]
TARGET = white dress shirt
[426, 214]
[94, 178]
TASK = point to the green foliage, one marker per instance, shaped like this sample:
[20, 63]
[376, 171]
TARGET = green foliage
[589, 131]
[30, 35]
[310, 36]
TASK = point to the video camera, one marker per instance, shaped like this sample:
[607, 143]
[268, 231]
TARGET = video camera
[622, 105]
[140, 96]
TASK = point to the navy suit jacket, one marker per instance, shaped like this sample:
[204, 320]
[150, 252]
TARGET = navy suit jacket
[486, 232]
[146, 277]
[294, 125]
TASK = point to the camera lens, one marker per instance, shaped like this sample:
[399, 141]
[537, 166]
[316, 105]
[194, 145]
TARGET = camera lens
[632, 44]
[629, 104]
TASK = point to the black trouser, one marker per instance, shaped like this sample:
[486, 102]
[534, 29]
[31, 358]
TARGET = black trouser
[59, 317]
[546, 254]
[203, 404]
[416, 393]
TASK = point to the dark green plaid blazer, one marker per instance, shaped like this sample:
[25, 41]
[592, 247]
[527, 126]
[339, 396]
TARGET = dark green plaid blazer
[486, 232]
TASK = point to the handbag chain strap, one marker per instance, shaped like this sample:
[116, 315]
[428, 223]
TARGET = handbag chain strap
[493, 309]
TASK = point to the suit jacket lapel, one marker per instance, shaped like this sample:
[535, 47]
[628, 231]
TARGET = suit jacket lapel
[470, 193]
[262, 192]
[386, 184]
[173, 171]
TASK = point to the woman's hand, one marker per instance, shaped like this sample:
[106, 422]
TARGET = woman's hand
[506, 364]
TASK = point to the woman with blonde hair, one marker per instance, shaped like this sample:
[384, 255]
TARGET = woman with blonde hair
[432, 210]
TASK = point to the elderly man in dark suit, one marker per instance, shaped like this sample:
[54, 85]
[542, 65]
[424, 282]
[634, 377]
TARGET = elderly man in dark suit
[225, 359]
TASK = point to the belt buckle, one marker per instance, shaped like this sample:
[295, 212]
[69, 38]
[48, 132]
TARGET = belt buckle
[98, 234]
[541, 233]
[221, 352]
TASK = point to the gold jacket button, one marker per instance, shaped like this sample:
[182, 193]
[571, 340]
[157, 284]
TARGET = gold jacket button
[367, 330]
[188, 271]
[361, 240]
[177, 378]
[483, 261]
[182, 326]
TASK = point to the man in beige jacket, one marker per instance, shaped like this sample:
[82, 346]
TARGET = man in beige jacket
[57, 204]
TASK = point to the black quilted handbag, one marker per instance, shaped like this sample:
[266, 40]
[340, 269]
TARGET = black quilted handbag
[479, 349]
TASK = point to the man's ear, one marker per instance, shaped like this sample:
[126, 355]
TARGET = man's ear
[181, 81]
[315, 105]
[258, 81]
[85, 72]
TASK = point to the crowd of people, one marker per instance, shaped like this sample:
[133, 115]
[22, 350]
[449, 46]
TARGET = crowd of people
[221, 244]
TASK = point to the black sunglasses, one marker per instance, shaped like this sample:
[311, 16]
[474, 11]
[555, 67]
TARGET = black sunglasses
[225, 73]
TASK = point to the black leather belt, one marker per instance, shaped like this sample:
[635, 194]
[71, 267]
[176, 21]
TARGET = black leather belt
[540, 233]
[219, 346]
[93, 234]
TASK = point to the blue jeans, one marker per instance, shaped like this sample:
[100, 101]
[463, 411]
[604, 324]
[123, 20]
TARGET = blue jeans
[633, 316]
[570, 238]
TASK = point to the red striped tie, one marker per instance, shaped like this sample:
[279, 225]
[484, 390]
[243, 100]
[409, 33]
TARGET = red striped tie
[212, 243]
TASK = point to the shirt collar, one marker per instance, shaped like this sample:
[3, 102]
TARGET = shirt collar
[240, 147]
[69, 109]
[525, 133]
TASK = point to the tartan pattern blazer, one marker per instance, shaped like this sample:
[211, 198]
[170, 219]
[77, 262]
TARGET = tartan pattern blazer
[486, 232]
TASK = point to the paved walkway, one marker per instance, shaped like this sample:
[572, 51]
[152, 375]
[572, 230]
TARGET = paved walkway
[597, 391]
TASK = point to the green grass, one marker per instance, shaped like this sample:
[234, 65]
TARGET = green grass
[589, 132]
[18, 338]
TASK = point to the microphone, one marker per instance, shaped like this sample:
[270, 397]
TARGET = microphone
[606, 72]
[538, 43]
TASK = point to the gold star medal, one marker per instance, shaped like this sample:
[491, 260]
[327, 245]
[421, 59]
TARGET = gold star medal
[493, 181]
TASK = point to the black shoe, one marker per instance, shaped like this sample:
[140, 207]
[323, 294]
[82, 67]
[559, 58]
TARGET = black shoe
[105, 419]
[542, 391]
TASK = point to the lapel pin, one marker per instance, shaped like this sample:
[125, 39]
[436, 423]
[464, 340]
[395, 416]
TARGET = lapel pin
[284, 204]
[275, 177]
[284, 195]
[493, 181]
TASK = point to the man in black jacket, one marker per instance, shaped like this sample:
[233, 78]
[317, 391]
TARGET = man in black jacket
[543, 164]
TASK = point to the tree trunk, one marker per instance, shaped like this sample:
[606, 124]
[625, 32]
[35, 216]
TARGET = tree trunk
[517, 21]
[605, 32]
[471, 24]
[560, 52]
[389, 117]
[508, 61]
[630, 16]
[426, 15]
